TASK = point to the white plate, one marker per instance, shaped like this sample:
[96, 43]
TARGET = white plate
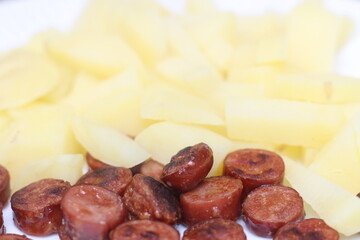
[20, 19]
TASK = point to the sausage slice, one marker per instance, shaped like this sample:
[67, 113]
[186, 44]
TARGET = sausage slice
[90, 212]
[11, 236]
[150, 168]
[255, 167]
[94, 163]
[37, 206]
[4, 185]
[268, 208]
[215, 197]
[2, 227]
[215, 229]
[146, 198]
[188, 167]
[144, 230]
[311, 229]
[115, 179]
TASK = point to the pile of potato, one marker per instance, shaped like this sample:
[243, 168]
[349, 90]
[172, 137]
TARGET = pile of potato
[134, 81]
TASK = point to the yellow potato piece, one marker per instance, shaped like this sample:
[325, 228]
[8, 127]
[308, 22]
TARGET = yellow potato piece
[164, 103]
[282, 122]
[306, 52]
[338, 207]
[120, 110]
[100, 54]
[191, 75]
[68, 167]
[37, 132]
[339, 159]
[318, 88]
[25, 77]
[108, 144]
[165, 139]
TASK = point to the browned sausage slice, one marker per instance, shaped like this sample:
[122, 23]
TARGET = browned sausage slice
[311, 229]
[144, 230]
[115, 179]
[255, 167]
[63, 235]
[150, 168]
[37, 206]
[94, 163]
[4, 185]
[215, 229]
[215, 197]
[268, 208]
[188, 167]
[13, 237]
[90, 212]
[146, 198]
[2, 227]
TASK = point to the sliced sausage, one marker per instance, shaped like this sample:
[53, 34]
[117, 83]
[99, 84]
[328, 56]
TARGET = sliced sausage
[146, 198]
[11, 236]
[2, 227]
[215, 229]
[4, 185]
[215, 197]
[150, 168]
[94, 163]
[115, 179]
[63, 235]
[310, 229]
[90, 212]
[255, 167]
[268, 208]
[37, 206]
[144, 230]
[188, 167]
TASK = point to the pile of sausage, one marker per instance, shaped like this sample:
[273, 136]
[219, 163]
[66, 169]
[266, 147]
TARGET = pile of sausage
[146, 201]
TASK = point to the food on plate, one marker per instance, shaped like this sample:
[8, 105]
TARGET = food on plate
[91, 211]
[115, 179]
[36, 207]
[215, 197]
[2, 226]
[146, 198]
[215, 229]
[188, 167]
[4, 185]
[94, 163]
[255, 167]
[133, 83]
[150, 168]
[144, 229]
[311, 228]
[106, 143]
[267, 208]
[11, 236]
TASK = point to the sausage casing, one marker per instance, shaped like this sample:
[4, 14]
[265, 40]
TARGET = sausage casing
[37, 206]
[215, 197]
[146, 198]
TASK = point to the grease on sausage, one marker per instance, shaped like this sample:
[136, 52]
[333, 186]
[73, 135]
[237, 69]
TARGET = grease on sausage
[255, 167]
[90, 212]
[268, 208]
[146, 198]
[115, 179]
[215, 197]
[37, 206]
[188, 167]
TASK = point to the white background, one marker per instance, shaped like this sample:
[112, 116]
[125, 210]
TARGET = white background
[20, 19]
